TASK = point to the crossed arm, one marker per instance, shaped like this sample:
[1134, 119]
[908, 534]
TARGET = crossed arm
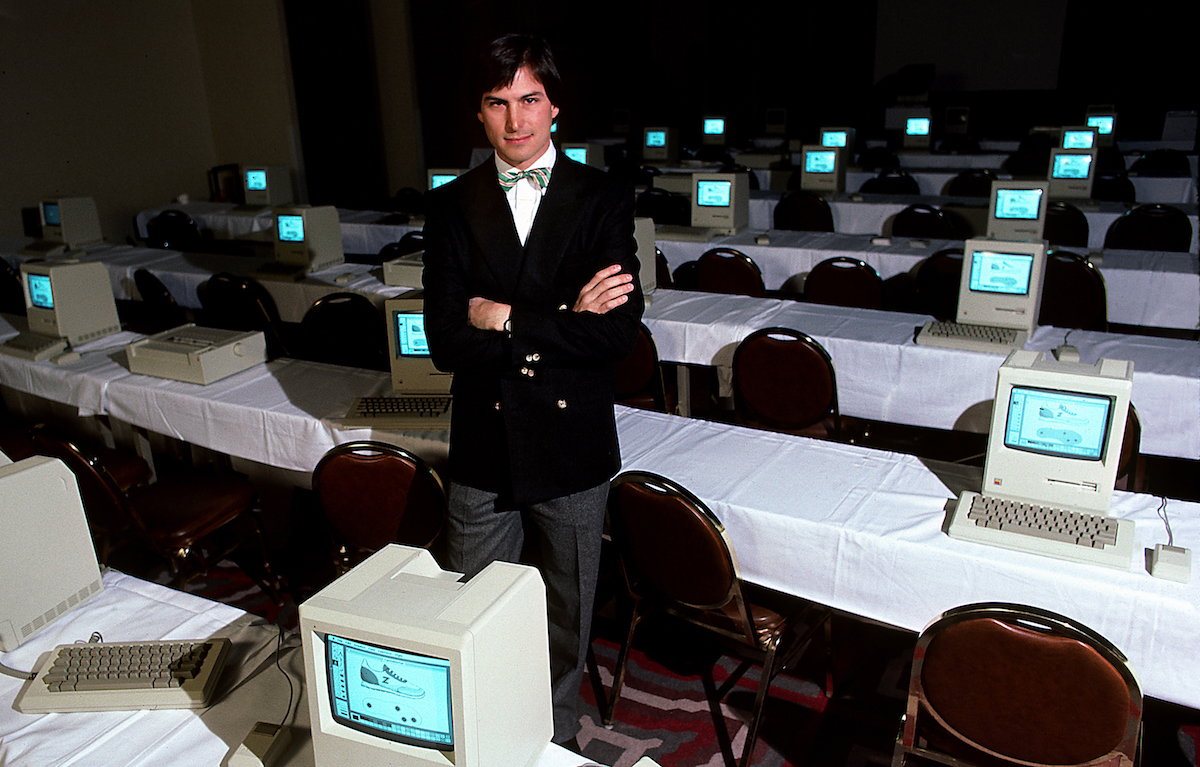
[608, 289]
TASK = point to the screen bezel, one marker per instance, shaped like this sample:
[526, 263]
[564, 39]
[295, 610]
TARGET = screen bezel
[1109, 401]
[394, 737]
[976, 264]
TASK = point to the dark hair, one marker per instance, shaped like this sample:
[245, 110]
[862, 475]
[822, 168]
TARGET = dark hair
[498, 64]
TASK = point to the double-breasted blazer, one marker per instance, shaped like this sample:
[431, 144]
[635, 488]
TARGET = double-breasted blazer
[532, 416]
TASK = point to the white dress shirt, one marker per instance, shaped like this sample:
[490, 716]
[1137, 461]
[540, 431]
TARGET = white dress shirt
[525, 196]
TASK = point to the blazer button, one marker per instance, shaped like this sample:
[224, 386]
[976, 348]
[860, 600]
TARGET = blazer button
[535, 357]
[562, 404]
[497, 405]
[562, 308]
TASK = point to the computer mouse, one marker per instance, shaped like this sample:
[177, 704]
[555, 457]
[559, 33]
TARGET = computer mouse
[1066, 353]
[342, 279]
[763, 239]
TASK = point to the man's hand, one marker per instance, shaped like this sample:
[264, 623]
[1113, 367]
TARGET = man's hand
[607, 290]
[487, 315]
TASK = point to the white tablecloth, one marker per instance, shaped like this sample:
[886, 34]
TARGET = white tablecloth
[860, 530]
[883, 375]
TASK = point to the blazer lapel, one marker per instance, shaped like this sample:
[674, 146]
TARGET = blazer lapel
[492, 228]
[557, 217]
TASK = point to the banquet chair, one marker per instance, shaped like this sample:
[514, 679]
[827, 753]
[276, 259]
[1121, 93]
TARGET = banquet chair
[938, 279]
[1113, 187]
[1066, 225]
[1004, 684]
[1073, 295]
[922, 220]
[345, 329]
[173, 230]
[784, 381]
[891, 181]
[973, 182]
[664, 207]
[192, 519]
[675, 557]
[1151, 227]
[877, 158]
[160, 309]
[12, 295]
[225, 184]
[242, 303]
[844, 281]
[375, 493]
[1163, 163]
[662, 270]
[639, 376]
[1032, 157]
[725, 270]
[802, 211]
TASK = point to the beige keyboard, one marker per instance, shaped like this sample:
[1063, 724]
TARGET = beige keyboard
[976, 338]
[33, 346]
[126, 676]
[407, 411]
[1075, 536]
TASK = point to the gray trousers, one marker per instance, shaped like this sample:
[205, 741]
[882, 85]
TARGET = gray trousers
[479, 532]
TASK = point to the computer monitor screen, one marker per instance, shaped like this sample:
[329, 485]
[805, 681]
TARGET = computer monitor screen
[1071, 166]
[291, 228]
[996, 272]
[50, 216]
[69, 299]
[714, 193]
[1078, 138]
[1102, 123]
[390, 693]
[407, 665]
[714, 126]
[833, 138]
[1057, 429]
[1017, 210]
[410, 334]
[1001, 283]
[820, 161]
[440, 179]
[256, 180]
[576, 153]
[307, 239]
[1066, 424]
[656, 138]
[917, 126]
[40, 293]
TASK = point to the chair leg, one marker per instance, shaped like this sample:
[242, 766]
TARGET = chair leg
[622, 658]
[764, 685]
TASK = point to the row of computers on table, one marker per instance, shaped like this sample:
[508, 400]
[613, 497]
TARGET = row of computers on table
[405, 664]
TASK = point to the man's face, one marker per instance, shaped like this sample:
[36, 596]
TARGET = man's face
[517, 119]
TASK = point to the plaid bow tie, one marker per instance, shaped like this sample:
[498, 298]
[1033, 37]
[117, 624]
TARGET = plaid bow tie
[539, 176]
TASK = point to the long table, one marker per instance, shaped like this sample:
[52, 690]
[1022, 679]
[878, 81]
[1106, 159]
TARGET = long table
[862, 535]
[883, 375]
[861, 531]
[252, 688]
[1143, 287]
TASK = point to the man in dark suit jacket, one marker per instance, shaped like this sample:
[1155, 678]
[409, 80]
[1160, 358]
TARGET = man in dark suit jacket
[530, 297]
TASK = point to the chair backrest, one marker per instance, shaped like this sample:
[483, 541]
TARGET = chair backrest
[725, 270]
[12, 295]
[938, 279]
[173, 229]
[1128, 477]
[783, 379]
[803, 211]
[1026, 684]
[922, 220]
[242, 303]
[408, 200]
[664, 207]
[973, 182]
[1032, 157]
[891, 181]
[375, 493]
[1074, 295]
[844, 281]
[225, 183]
[671, 544]
[1113, 187]
[662, 270]
[1151, 227]
[345, 329]
[639, 378]
[163, 310]
[877, 158]
[1163, 163]
[1066, 225]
